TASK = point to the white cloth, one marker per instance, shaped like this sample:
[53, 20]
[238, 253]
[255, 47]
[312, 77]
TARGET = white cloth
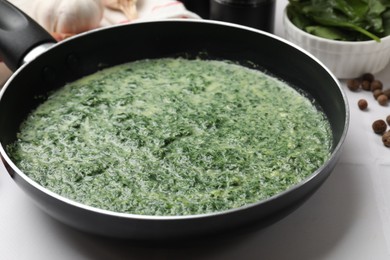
[147, 10]
[151, 10]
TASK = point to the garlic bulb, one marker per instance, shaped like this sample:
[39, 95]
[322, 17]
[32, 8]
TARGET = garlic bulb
[68, 16]
[127, 7]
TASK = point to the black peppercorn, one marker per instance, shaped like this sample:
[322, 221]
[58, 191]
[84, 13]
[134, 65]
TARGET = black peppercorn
[387, 92]
[376, 84]
[379, 126]
[368, 77]
[362, 104]
[353, 84]
[366, 85]
[376, 93]
[386, 139]
[382, 100]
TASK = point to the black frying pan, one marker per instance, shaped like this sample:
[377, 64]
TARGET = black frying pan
[21, 40]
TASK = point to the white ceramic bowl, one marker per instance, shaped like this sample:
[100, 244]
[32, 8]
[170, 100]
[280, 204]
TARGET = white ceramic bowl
[346, 59]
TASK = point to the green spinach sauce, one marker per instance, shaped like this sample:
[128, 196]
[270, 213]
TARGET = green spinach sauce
[172, 137]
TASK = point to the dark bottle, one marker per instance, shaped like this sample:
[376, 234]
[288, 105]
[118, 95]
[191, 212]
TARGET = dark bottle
[259, 14]
[200, 7]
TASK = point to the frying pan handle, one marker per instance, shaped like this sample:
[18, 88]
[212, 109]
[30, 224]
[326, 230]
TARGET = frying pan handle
[18, 35]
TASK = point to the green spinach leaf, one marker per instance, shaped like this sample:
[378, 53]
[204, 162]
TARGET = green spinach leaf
[352, 20]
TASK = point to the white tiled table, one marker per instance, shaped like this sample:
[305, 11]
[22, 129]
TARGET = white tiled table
[348, 218]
